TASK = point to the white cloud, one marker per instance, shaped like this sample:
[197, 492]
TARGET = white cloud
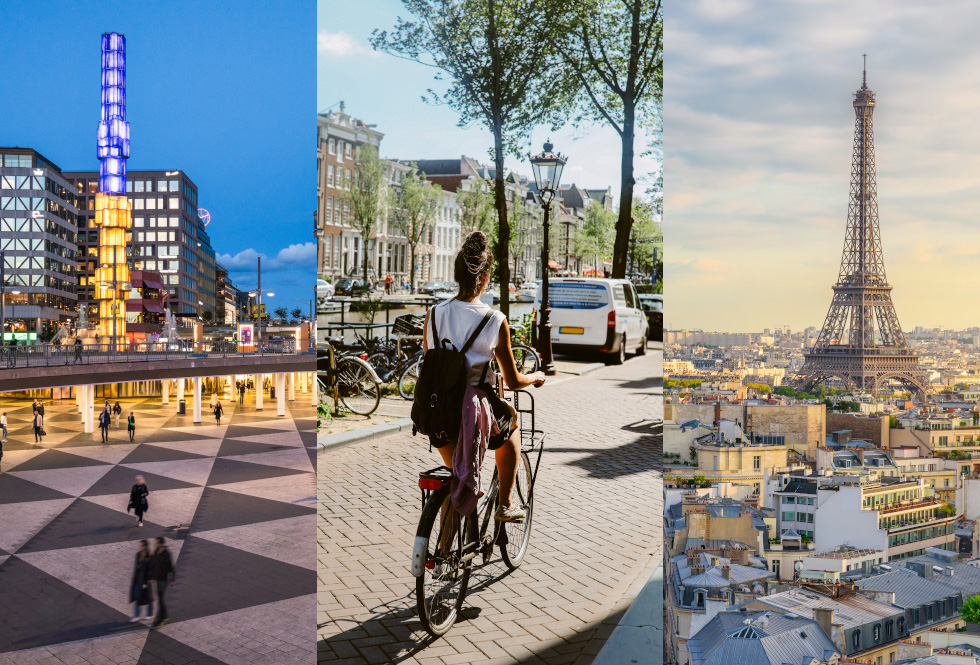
[340, 44]
[288, 258]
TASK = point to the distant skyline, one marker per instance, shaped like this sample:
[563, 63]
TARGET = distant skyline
[758, 134]
[384, 90]
[230, 107]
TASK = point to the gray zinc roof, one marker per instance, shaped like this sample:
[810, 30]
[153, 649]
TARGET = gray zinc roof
[760, 638]
[910, 589]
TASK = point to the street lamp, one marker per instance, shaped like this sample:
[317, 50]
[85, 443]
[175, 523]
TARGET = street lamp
[547, 167]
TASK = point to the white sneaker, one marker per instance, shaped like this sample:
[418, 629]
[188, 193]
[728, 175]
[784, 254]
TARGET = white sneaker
[509, 514]
[134, 620]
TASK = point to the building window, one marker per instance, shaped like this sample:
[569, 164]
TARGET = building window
[332, 147]
[856, 638]
[347, 147]
[877, 632]
[757, 462]
[330, 176]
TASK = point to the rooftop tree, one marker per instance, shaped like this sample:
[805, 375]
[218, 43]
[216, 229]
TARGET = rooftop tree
[499, 60]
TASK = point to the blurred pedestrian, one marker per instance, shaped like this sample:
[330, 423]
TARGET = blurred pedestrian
[137, 499]
[217, 413]
[117, 412]
[3, 424]
[38, 423]
[132, 426]
[104, 420]
[162, 572]
[241, 393]
[140, 590]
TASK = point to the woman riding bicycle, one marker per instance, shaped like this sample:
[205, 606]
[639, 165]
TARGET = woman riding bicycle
[455, 320]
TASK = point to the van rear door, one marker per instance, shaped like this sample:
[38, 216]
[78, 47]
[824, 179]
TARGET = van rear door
[579, 311]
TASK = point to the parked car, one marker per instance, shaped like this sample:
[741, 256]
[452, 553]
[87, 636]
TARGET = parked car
[324, 290]
[353, 287]
[653, 305]
[596, 314]
[431, 287]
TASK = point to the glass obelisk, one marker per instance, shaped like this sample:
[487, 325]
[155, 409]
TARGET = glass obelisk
[112, 211]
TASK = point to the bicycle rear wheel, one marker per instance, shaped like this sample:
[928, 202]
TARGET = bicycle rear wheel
[514, 539]
[525, 358]
[359, 392]
[408, 380]
[384, 365]
[441, 588]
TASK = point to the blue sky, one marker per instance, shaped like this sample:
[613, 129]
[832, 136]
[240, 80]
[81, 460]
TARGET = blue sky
[384, 90]
[221, 89]
[758, 131]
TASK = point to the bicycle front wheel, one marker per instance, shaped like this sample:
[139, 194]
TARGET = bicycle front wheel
[359, 392]
[441, 588]
[525, 358]
[514, 539]
[409, 379]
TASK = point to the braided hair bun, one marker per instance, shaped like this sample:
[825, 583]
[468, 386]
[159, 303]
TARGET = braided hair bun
[473, 261]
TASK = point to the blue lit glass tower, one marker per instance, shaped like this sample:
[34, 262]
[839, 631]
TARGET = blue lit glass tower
[112, 212]
[113, 137]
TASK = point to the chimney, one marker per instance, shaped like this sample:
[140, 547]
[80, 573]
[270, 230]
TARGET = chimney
[717, 414]
[726, 572]
[824, 616]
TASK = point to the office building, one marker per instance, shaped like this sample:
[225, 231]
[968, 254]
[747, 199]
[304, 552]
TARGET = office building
[38, 216]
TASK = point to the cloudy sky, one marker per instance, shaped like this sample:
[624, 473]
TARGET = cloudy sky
[384, 90]
[232, 107]
[758, 130]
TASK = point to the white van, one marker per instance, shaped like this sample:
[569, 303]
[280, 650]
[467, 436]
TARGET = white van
[595, 314]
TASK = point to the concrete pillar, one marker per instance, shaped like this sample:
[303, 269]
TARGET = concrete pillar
[165, 384]
[314, 389]
[280, 394]
[258, 391]
[197, 399]
[180, 389]
[292, 386]
[78, 401]
[88, 407]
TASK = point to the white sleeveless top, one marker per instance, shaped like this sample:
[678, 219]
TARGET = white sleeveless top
[456, 320]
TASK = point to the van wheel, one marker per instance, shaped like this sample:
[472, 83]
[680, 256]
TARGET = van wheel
[641, 350]
[620, 357]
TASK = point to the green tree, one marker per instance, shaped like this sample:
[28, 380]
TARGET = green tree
[647, 228]
[207, 315]
[476, 207]
[971, 609]
[297, 313]
[415, 204]
[366, 193]
[615, 52]
[594, 241]
[280, 312]
[521, 232]
[499, 59]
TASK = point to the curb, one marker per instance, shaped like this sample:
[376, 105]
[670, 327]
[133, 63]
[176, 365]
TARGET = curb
[582, 370]
[342, 439]
[639, 637]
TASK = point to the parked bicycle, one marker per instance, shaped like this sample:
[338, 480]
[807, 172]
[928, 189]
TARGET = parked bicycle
[347, 378]
[447, 543]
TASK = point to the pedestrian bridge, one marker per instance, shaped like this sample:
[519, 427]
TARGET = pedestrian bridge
[47, 366]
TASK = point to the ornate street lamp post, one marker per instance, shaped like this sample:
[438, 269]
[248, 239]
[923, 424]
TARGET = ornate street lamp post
[547, 167]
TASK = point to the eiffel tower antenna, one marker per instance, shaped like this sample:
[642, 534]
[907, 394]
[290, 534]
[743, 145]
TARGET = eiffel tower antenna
[864, 74]
[861, 342]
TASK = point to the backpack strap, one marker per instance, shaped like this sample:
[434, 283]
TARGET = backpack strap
[432, 322]
[476, 333]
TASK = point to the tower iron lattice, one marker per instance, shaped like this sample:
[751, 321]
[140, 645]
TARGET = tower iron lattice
[861, 342]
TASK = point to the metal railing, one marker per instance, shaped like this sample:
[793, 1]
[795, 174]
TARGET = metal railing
[48, 355]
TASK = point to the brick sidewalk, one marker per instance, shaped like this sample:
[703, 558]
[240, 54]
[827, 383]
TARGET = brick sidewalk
[597, 531]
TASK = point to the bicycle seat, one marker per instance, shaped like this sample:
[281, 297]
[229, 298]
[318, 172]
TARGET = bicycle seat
[335, 341]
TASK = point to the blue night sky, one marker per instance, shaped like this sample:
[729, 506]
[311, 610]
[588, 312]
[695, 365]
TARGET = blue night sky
[222, 90]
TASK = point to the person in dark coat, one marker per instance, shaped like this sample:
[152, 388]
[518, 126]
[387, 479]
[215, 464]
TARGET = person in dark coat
[117, 412]
[162, 572]
[137, 499]
[132, 426]
[141, 591]
[104, 420]
[241, 393]
[217, 412]
[78, 349]
[38, 423]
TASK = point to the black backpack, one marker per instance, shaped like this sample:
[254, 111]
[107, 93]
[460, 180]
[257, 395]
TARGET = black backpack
[438, 406]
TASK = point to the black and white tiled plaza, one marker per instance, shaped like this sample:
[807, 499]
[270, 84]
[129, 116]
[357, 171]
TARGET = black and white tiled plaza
[236, 503]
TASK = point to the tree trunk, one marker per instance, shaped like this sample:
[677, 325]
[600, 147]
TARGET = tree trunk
[411, 267]
[365, 257]
[624, 225]
[503, 226]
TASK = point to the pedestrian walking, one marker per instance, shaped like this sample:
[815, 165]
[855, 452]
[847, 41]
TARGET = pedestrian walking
[217, 413]
[38, 423]
[104, 420]
[140, 590]
[1, 445]
[163, 574]
[241, 393]
[214, 400]
[388, 282]
[78, 349]
[137, 499]
[132, 426]
[12, 353]
[40, 408]
[3, 425]
[117, 411]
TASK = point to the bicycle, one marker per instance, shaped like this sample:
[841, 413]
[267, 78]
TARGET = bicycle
[348, 378]
[447, 543]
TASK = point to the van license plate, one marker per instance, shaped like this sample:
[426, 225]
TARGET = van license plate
[572, 331]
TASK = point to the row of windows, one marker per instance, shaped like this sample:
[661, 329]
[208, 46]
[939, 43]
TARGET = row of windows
[343, 178]
[36, 245]
[155, 222]
[42, 300]
[917, 535]
[13, 262]
[803, 501]
[343, 213]
[15, 161]
[793, 516]
[155, 236]
[339, 148]
[35, 204]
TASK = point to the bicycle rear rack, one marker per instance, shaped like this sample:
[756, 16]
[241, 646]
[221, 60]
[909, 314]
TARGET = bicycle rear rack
[434, 480]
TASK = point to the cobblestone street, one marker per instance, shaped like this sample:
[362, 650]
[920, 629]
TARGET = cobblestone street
[596, 535]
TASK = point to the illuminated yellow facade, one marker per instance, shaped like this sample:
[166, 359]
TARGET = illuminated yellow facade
[114, 221]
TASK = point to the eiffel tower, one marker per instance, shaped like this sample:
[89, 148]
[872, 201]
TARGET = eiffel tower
[861, 342]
